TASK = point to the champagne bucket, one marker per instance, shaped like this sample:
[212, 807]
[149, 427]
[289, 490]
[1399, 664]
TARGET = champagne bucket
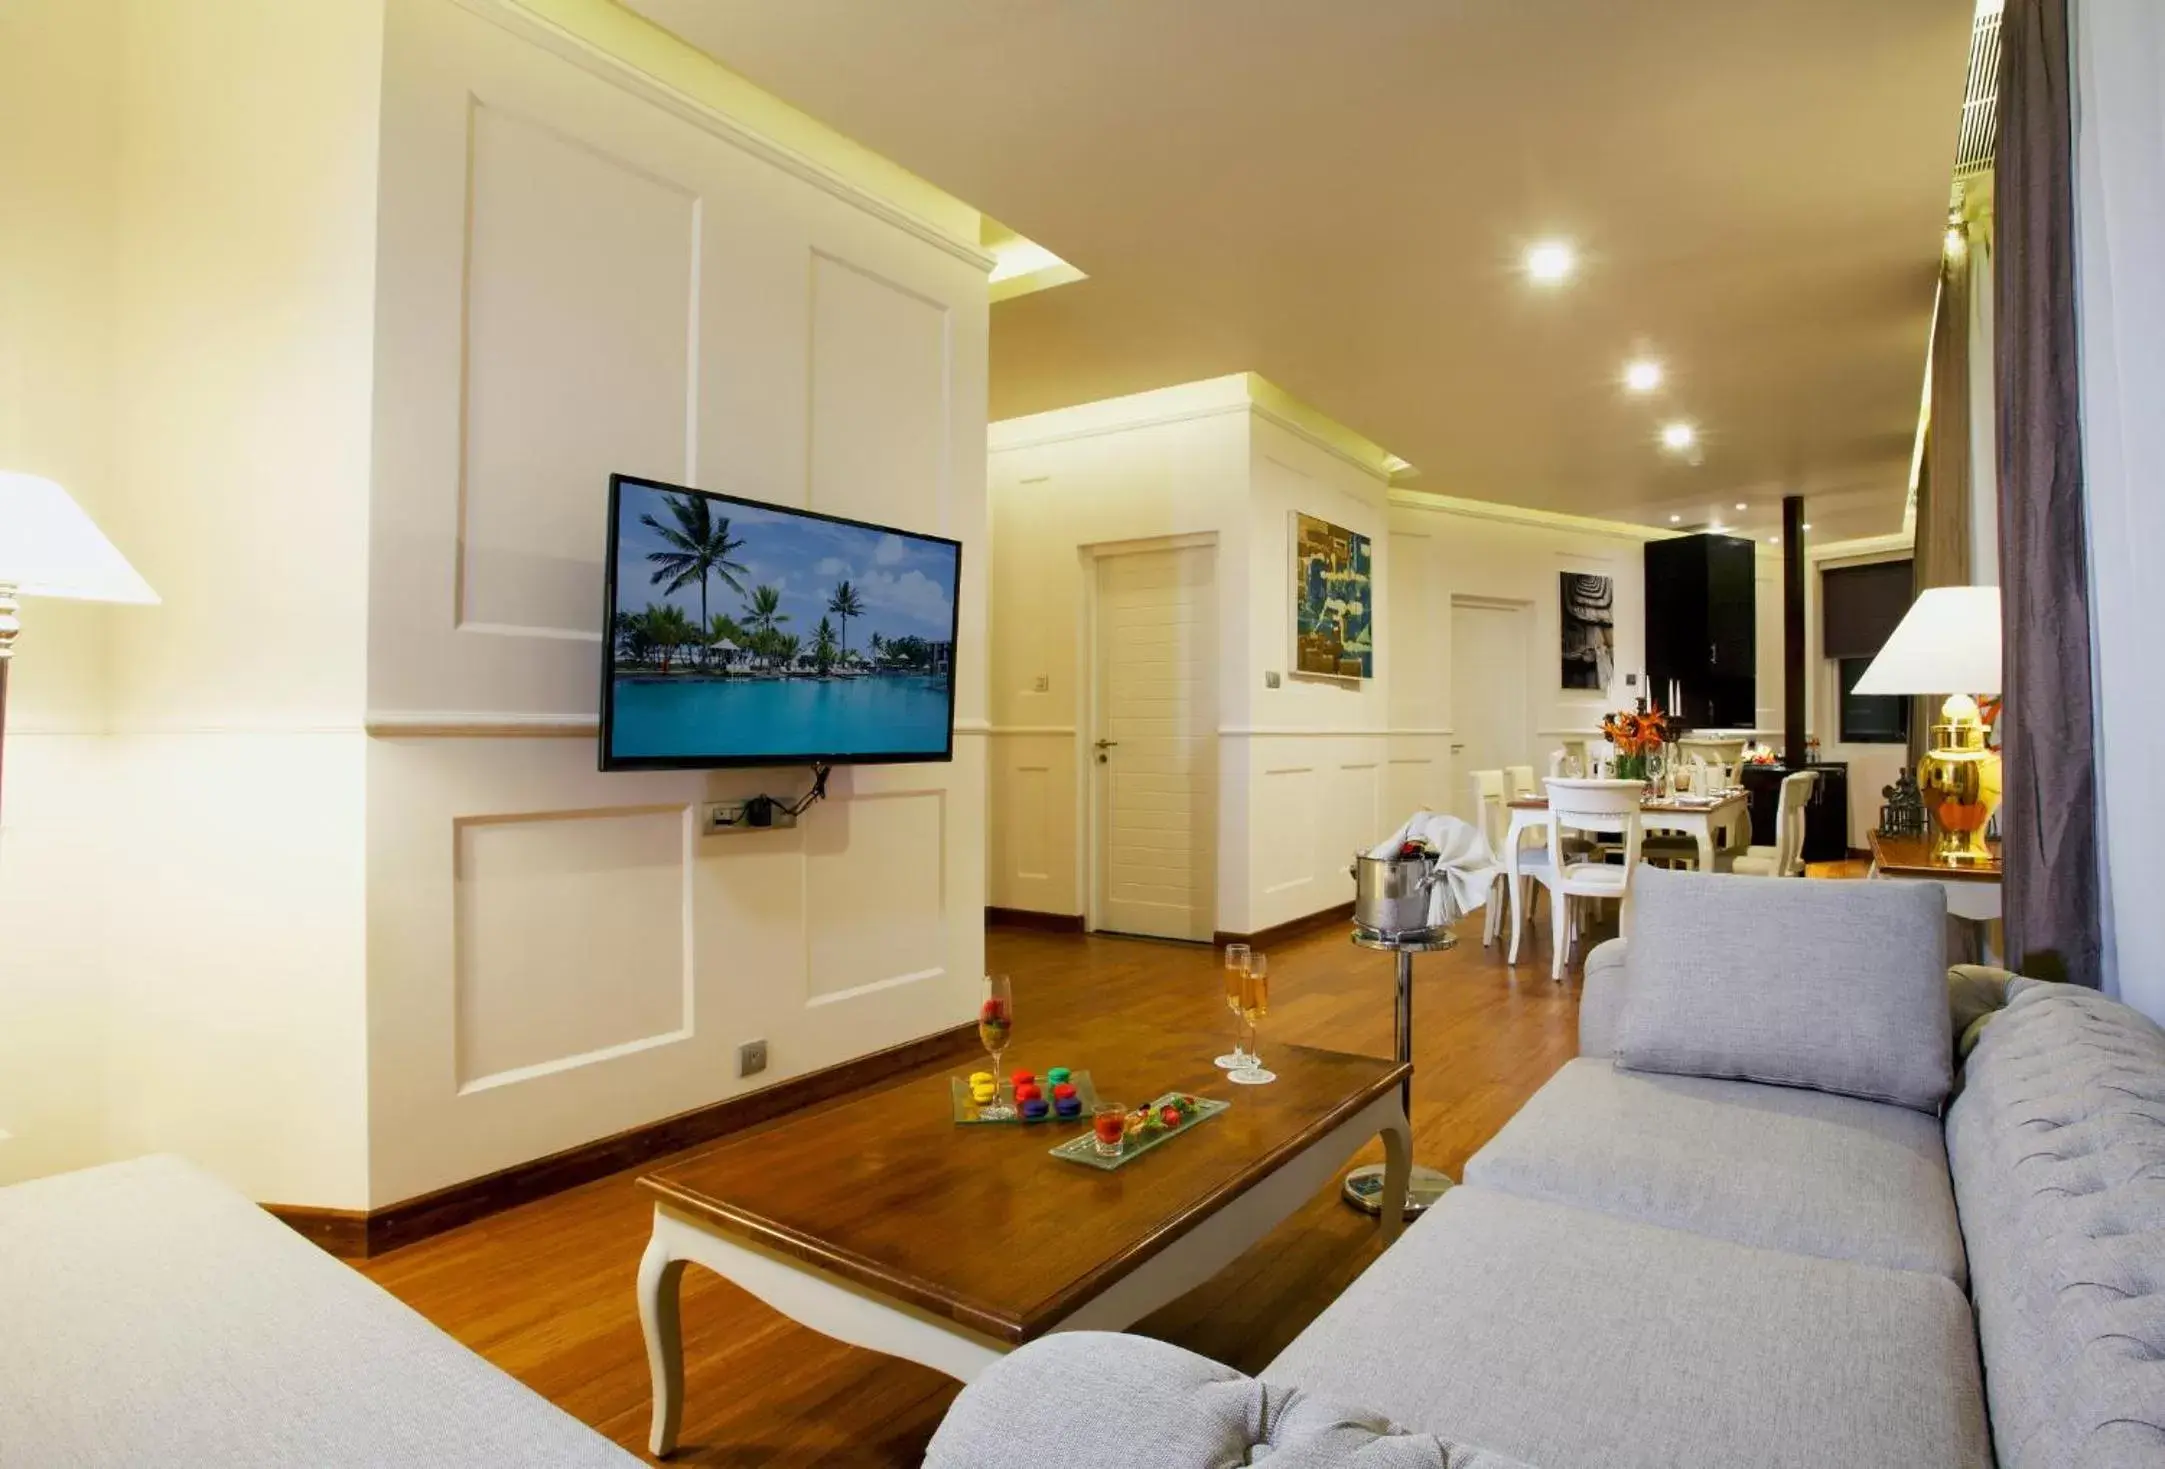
[1390, 894]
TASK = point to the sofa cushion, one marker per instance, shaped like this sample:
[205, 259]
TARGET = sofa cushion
[1837, 986]
[1773, 1166]
[1576, 1340]
[1091, 1399]
[2057, 1144]
[151, 1315]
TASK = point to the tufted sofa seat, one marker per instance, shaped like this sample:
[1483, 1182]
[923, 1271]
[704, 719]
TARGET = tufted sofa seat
[2057, 1147]
[1648, 1269]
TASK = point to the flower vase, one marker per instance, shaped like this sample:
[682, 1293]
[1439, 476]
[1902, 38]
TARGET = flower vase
[1631, 767]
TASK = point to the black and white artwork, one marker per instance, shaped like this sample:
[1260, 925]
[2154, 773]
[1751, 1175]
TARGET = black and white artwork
[1589, 625]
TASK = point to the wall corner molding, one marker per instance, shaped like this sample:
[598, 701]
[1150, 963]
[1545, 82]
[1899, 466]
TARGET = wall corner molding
[515, 18]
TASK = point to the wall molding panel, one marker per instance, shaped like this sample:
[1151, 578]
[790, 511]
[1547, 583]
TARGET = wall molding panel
[581, 271]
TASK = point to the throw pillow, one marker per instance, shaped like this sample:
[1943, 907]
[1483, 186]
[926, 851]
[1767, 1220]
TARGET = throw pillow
[1840, 986]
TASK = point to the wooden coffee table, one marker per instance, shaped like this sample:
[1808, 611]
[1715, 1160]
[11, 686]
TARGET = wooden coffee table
[882, 1223]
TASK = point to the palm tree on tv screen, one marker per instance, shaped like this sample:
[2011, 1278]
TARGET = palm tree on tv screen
[700, 546]
[763, 612]
[845, 604]
[879, 647]
[668, 629]
[824, 646]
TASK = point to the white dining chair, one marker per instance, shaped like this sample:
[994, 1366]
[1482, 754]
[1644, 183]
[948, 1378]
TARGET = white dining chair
[1588, 805]
[1492, 790]
[1518, 780]
[1786, 857]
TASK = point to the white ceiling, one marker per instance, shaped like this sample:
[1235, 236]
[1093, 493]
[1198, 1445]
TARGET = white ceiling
[1336, 194]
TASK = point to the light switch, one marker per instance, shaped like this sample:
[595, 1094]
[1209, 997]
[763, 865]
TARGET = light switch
[1270, 679]
[1042, 684]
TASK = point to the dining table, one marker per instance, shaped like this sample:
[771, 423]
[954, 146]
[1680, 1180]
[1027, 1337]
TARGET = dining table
[1719, 824]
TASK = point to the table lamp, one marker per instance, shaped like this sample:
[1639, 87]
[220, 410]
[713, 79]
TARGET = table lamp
[50, 548]
[1950, 639]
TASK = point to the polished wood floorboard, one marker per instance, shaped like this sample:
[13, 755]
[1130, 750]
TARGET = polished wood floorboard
[545, 1290]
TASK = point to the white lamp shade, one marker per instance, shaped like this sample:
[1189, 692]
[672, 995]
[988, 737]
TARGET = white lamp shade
[50, 548]
[1947, 643]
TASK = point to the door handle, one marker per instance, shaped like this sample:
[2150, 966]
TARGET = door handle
[1107, 744]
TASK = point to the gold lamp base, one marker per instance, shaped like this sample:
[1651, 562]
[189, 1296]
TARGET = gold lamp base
[1959, 777]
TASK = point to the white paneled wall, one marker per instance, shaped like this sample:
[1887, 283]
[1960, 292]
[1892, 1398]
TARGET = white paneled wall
[577, 279]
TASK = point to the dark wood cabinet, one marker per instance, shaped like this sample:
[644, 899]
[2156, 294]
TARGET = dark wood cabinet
[1701, 630]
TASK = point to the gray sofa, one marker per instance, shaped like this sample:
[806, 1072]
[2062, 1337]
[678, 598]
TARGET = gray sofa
[1652, 1267]
[151, 1315]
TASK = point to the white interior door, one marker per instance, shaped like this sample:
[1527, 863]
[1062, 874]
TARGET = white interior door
[1154, 743]
[1491, 644]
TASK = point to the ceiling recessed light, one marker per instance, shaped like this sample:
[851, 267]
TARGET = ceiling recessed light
[1807, 525]
[1642, 376]
[1676, 520]
[1679, 436]
[1774, 540]
[1741, 505]
[1550, 261]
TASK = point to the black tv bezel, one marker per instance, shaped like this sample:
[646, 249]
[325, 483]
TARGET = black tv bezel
[612, 762]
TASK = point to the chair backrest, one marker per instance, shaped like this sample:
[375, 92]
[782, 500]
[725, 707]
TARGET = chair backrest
[1718, 749]
[1489, 794]
[1709, 777]
[1595, 805]
[1796, 793]
[1518, 780]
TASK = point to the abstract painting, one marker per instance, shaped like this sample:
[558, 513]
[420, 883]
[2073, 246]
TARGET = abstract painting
[1333, 600]
[1589, 626]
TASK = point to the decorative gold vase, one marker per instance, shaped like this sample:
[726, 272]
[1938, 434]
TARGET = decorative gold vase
[1959, 778]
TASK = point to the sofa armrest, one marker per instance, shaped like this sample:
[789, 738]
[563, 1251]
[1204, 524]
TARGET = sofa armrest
[1601, 998]
[1093, 1399]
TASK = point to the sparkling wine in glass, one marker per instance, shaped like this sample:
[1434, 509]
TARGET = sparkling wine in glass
[1236, 966]
[995, 1026]
[1254, 1006]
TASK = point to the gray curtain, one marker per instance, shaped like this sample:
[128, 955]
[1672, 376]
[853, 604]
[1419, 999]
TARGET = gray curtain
[2049, 819]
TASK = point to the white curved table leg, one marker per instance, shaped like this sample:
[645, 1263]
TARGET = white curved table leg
[1397, 1136]
[660, 1276]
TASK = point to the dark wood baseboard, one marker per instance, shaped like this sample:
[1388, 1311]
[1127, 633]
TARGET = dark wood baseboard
[343, 1232]
[1280, 932]
[1028, 918]
[355, 1235]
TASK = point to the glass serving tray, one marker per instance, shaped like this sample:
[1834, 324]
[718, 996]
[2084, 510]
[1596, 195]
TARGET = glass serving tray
[958, 1088]
[1084, 1149]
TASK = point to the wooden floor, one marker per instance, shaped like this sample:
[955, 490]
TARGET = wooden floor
[545, 1291]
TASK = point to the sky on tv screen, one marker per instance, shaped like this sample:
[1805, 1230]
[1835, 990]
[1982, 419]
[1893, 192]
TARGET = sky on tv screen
[907, 584]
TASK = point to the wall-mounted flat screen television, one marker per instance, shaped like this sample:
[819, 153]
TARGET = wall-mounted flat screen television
[741, 633]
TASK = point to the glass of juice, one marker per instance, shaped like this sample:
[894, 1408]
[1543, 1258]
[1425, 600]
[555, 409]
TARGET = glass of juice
[1254, 1005]
[1236, 965]
[995, 1027]
[1109, 1128]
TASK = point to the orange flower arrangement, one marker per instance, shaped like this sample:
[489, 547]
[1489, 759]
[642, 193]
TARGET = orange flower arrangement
[1634, 733]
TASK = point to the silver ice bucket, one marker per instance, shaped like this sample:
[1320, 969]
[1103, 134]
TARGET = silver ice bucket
[1390, 894]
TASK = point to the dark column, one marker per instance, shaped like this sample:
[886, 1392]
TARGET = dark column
[1793, 748]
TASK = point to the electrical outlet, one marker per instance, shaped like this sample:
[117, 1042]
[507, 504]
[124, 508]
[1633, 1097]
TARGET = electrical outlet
[722, 817]
[751, 1058]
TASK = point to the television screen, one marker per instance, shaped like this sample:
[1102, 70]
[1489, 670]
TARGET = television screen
[747, 634]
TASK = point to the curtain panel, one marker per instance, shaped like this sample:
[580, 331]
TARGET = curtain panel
[2049, 816]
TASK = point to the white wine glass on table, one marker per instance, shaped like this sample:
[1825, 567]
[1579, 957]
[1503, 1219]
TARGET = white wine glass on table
[995, 1026]
[1254, 1005]
[1236, 965]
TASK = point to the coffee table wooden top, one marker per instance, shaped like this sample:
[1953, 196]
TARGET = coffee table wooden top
[977, 1224]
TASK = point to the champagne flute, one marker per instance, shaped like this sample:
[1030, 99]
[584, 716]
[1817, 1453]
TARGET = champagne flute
[1254, 1005]
[995, 1025]
[1236, 965]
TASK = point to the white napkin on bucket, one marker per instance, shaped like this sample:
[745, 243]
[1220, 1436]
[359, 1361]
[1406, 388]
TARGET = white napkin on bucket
[1469, 868]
